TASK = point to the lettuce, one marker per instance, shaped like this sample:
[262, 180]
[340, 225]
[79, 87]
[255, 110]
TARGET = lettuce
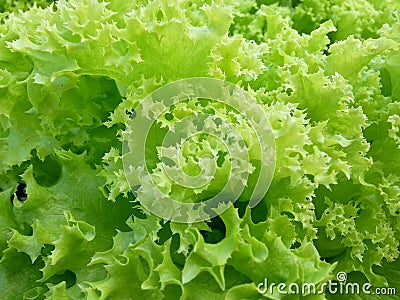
[73, 75]
[7, 6]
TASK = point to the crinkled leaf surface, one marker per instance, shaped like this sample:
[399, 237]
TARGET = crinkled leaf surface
[325, 73]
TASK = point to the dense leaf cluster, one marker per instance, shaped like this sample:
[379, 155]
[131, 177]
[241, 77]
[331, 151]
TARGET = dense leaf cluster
[325, 72]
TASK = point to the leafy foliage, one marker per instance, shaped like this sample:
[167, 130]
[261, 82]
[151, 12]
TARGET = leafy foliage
[326, 73]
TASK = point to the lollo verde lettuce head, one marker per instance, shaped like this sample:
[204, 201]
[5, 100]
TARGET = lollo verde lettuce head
[183, 102]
